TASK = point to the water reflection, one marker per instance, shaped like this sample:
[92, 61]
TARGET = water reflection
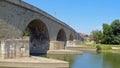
[90, 60]
[87, 60]
[111, 60]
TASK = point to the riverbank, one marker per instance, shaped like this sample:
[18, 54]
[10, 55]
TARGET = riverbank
[33, 62]
[115, 51]
[66, 52]
[103, 47]
[81, 48]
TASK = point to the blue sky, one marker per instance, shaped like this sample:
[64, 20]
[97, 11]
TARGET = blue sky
[82, 15]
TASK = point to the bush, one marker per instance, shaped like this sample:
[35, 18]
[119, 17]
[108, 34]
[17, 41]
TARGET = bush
[107, 47]
[98, 48]
[103, 47]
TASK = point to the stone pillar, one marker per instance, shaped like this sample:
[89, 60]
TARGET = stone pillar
[3, 50]
[71, 43]
[56, 45]
[14, 48]
[22, 48]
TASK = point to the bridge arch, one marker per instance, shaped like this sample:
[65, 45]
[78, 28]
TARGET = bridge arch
[61, 36]
[38, 36]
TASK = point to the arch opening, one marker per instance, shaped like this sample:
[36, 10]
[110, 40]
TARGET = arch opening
[38, 37]
[71, 37]
[61, 36]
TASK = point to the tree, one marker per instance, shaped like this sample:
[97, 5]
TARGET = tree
[107, 34]
[111, 33]
[116, 27]
[116, 31]
[96, 35]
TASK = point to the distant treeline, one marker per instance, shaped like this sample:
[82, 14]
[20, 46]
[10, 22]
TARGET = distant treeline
[109, 35]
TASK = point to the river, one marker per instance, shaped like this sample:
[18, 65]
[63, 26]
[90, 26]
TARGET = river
[90, 60]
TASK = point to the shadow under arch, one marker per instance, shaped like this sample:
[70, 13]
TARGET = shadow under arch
[61, 36]
[71, 37]
[38, 37]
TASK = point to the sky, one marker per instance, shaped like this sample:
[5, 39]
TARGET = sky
[82, 15]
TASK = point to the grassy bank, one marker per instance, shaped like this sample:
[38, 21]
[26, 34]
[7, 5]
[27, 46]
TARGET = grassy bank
[100, 46]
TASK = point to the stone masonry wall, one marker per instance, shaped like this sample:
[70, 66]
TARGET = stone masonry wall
[14, 48]
[56, 45]
[16, 15]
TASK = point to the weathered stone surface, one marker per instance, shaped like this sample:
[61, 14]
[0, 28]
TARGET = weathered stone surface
[56, 45]
[15, 48]
[19, 14]
[16, 16]
[33, 62]
[71, 43]
[8, 31]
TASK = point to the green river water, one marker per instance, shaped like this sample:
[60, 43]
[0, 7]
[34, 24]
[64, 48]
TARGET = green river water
[90, 60]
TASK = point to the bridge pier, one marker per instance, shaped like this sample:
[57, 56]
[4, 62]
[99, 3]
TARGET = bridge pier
[57, 45]
[71, 43]
[60, 45]
[14, 48]
[22, 47]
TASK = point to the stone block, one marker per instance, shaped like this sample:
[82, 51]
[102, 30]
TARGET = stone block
[14, 48]
[56, 45]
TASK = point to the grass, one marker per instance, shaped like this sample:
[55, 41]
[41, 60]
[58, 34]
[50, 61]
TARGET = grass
[99, 46]
[88, 45]
[106, 47]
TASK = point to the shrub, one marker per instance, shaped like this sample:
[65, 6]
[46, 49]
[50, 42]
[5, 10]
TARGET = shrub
[106, 47]
[98, 48]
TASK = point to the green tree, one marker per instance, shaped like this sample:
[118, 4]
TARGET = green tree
[116, 27]
[116, 31]
[107, 34]
[96, 36]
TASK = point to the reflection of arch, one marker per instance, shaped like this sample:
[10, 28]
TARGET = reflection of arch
[39, 37]
[71, 37]
[61, 36]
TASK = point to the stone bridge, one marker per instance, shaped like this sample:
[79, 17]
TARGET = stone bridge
[46, 32]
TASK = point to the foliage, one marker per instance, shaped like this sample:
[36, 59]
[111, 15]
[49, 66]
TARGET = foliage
[110, 34]
[116, 27]
[106, 47]
[98, 48]
[26, 32]
[96, 35]
[107, 34]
